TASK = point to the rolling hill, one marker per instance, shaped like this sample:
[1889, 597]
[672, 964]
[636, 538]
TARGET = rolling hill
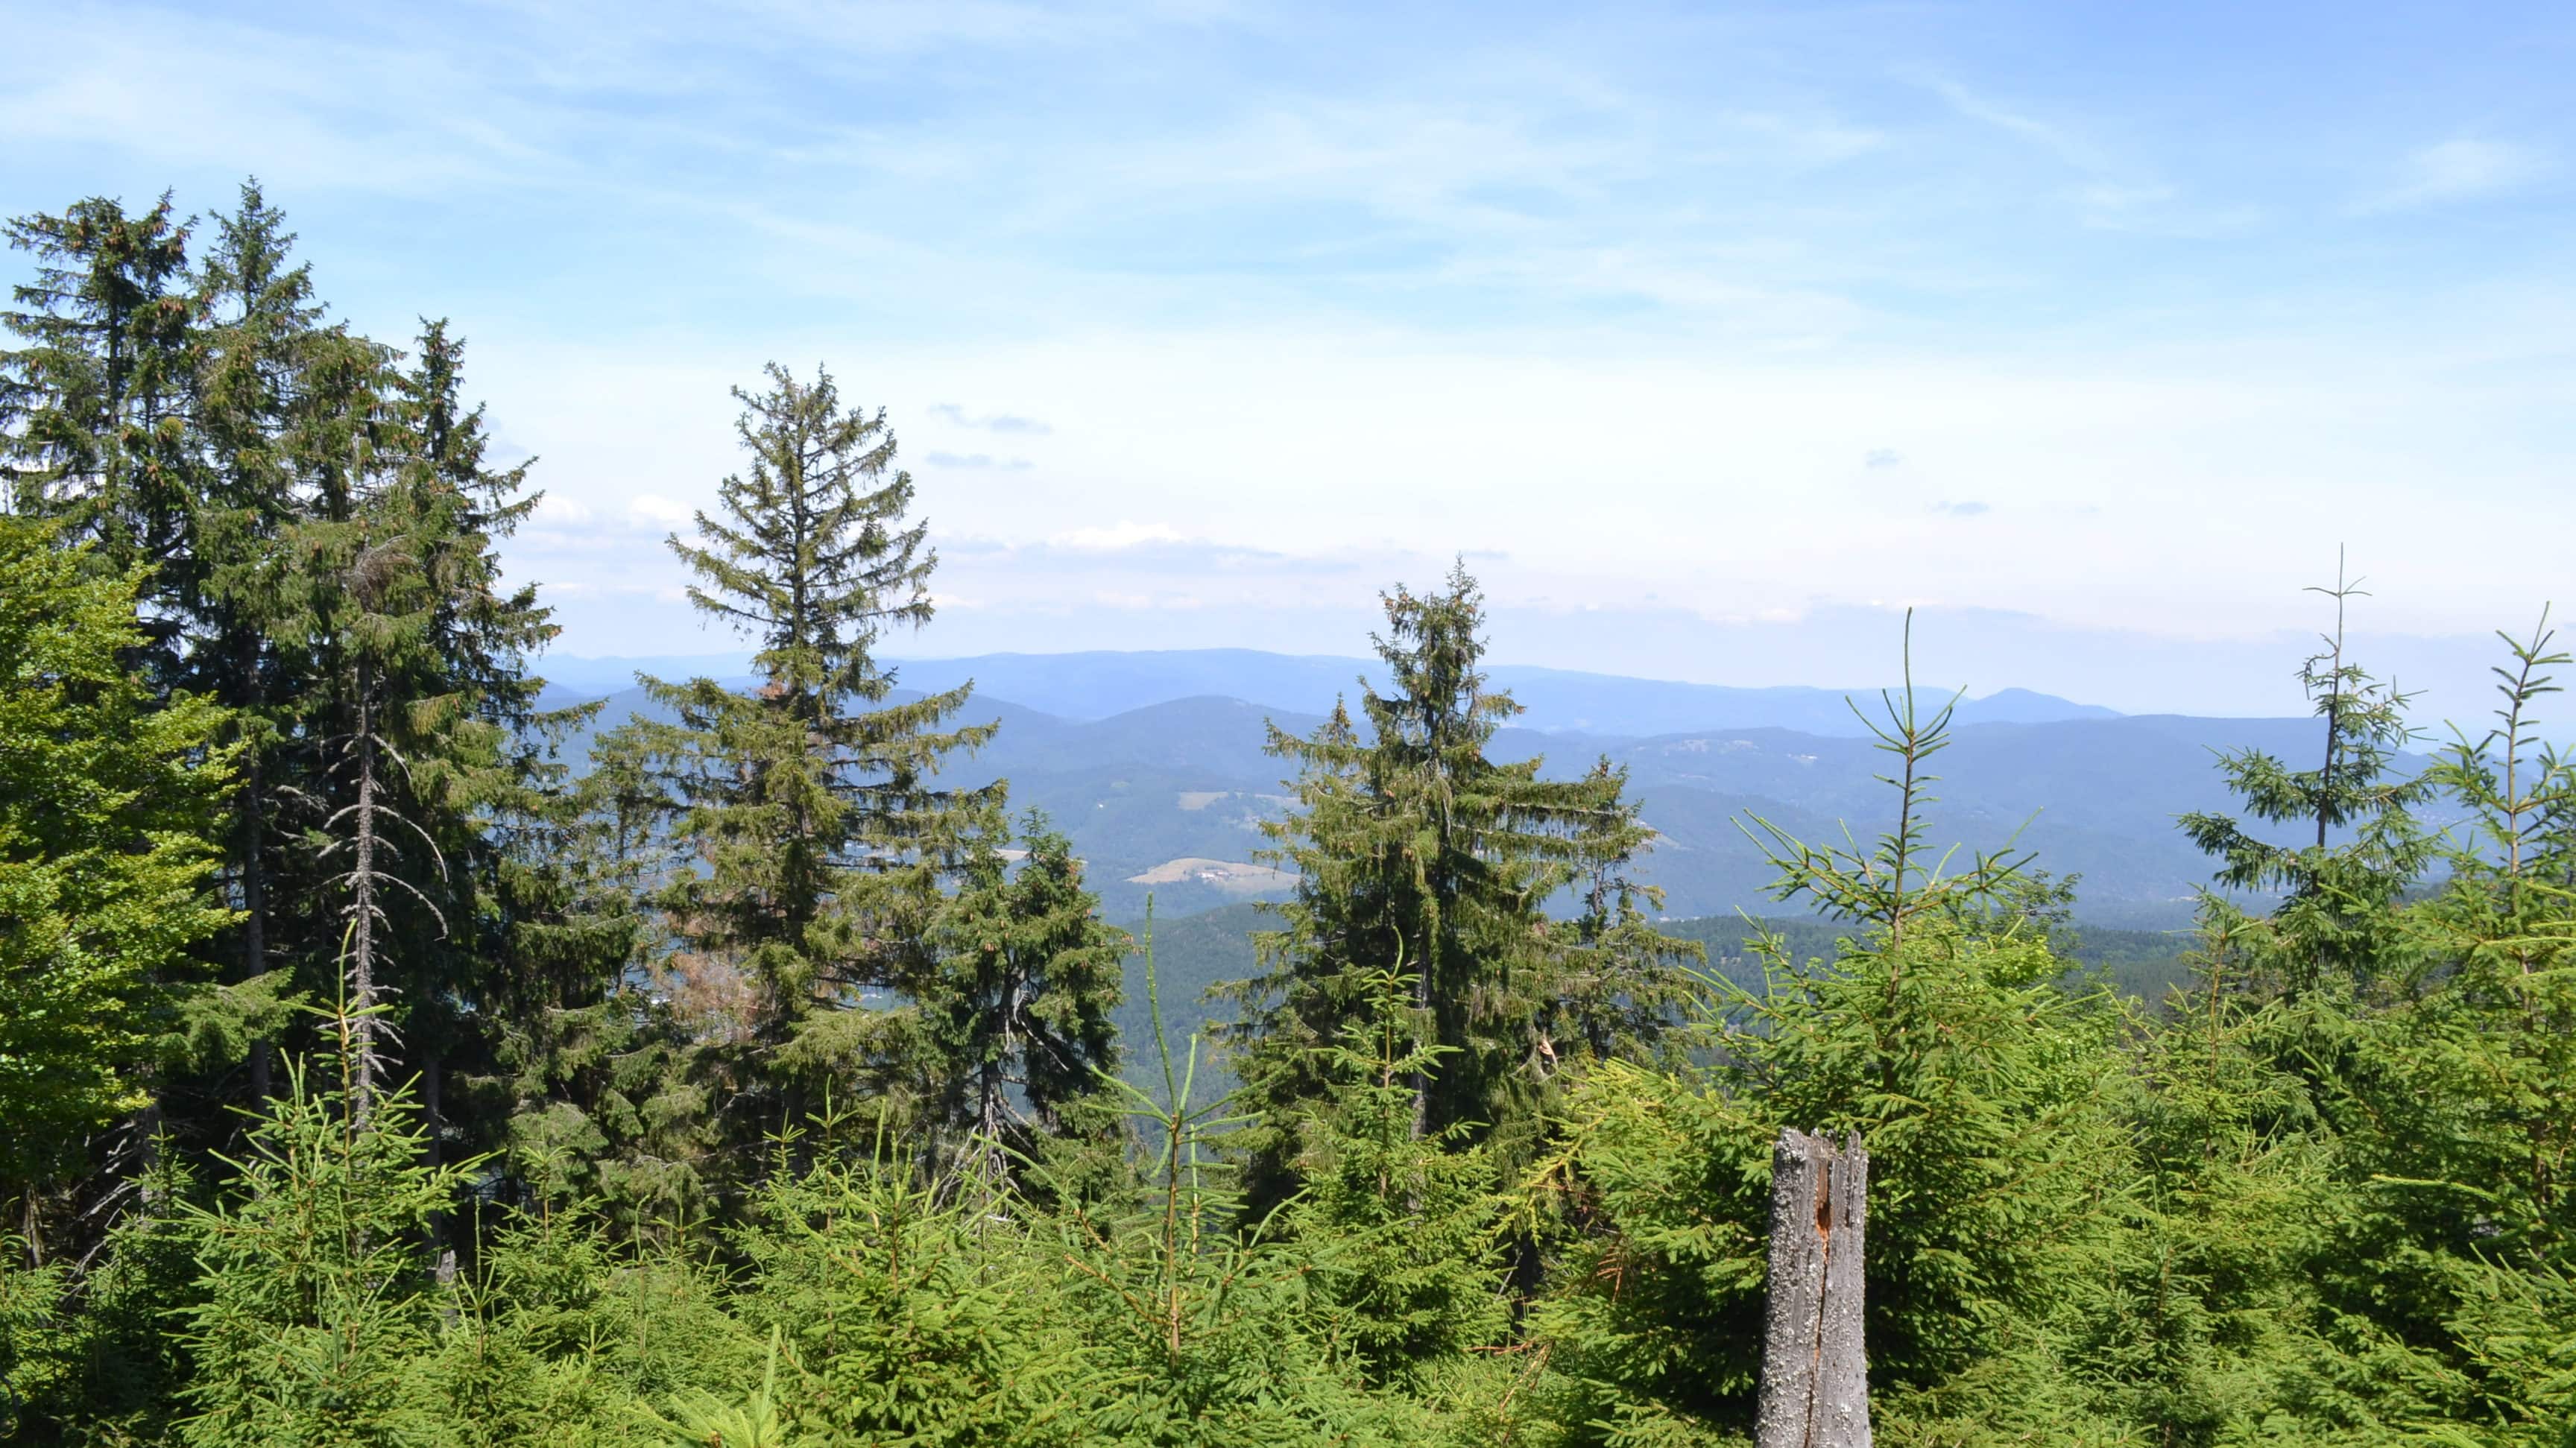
[1169, 798]
[1084, 687]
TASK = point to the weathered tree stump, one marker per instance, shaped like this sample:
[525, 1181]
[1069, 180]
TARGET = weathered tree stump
[1815, 1369]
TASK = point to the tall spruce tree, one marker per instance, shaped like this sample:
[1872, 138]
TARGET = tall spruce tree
[191, 422]
[1016, 1018]
[1414, 851]
[365, 609]
[421, 650]
[279, 396]
[823, 841]
[477, 755]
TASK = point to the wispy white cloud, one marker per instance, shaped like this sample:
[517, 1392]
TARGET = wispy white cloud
[1002, 422]
[910, 27]
[2109, 197]
[2119, 192]
[653, 508]
[1121, 534]
[2057, 139]
[324, 110]
[2460, 170]
[938, 459]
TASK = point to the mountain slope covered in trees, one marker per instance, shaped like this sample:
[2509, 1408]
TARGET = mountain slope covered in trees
[1188, 780]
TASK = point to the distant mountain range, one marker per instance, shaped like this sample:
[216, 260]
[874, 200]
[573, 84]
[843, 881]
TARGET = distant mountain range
[1166, 796]
[1089, 686]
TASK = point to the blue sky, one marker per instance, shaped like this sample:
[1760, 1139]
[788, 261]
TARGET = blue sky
[1711, 335]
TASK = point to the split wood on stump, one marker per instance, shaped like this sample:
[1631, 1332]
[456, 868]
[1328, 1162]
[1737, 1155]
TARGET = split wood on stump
[1815, 1370]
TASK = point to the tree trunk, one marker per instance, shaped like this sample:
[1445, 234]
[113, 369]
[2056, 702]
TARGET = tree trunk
[433, 1118]
[254, 915]
[433, 1106]
[362, 949]
[1815, 1368]
[1423, 1021]
[147, 1154]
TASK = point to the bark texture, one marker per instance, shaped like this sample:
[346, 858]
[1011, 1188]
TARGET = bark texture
[1815, 1367]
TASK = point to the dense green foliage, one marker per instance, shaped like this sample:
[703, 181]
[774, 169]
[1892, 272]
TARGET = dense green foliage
[811, 839]
[1415, 852]
[370, 1078]
[105, 801]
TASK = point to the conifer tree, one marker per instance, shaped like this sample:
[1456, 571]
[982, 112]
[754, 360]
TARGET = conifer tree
[2451, 1267]
[312, 1322]
[1900, 878]
[822, 837]
[1402, 1227]
[366, 611]
[108, 800]
[475, 756]
[423, 653]
[595, 1099]
[279, 399]
[2333, 895]
[1412, 846]
[93, 409]
[94, 427]
[1946, 1033]
[1016, 1018]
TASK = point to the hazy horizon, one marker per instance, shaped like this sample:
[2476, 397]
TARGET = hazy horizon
[2248, 679]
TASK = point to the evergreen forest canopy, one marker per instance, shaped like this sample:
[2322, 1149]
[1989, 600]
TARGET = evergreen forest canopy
[370, 1078]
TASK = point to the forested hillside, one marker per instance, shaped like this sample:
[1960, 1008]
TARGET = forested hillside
[1195, 955]
[390, 1056]
[1189, 780]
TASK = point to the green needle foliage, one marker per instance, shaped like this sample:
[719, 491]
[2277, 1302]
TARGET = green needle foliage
[912, 1314]
[753, 1425]
[755, 1087]
[1015, 1021]
[1404, 1228]
[2450, 1264]
[274, 395]
[1411, 845]
[107, 807]
[822, 842]
[2336, 892]
[1202, 1332]
[313, 1319]
[1984, 1088]
[93, 408]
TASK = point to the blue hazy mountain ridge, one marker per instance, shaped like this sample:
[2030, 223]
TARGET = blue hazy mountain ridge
[1168, 799]
[1097, 685]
